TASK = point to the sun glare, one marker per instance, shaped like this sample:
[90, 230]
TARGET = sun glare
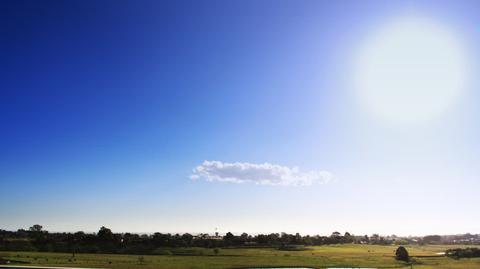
[410, 71]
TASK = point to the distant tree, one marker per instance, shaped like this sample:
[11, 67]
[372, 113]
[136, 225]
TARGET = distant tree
[335, 238]
[36, 228]
[187, 239]
[366, 239]
[38, 236]
[431, 239]
[401, 254]
[336, 234]
[348, 238]
[105, 234]
[229, 236]
[106, 240]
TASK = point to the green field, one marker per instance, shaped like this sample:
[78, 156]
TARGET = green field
[318, 257]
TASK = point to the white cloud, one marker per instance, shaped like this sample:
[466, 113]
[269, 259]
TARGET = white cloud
[263, 174]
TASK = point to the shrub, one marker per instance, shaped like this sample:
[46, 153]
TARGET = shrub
[401, 254]
[458, 253]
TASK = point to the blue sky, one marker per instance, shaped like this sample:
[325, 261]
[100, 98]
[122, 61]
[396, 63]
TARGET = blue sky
[109, 108]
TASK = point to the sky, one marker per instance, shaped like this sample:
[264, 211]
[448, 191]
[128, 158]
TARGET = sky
[241, 116]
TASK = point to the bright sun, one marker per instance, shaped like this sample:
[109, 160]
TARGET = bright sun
[410, 71]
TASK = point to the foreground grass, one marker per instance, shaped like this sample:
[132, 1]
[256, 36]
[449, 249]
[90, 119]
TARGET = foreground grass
[318, 257]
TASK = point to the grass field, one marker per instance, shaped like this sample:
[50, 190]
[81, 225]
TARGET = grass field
[317, 257]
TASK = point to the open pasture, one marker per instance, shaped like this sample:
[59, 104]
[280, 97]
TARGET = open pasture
[371, 256]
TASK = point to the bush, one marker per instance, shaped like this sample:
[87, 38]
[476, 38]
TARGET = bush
[401, 254]
[458, 253]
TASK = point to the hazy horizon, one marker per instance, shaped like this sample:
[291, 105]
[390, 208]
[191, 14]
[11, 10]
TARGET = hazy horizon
[246, 116]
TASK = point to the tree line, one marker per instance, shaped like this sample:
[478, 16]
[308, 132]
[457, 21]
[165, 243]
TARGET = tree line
[105, 241]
